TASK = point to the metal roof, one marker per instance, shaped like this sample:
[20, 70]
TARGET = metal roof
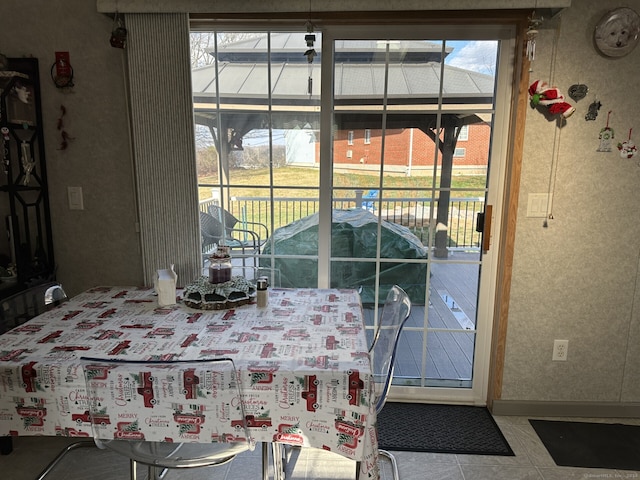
[359, 73]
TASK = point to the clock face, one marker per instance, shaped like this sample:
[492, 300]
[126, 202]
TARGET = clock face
[617, 32]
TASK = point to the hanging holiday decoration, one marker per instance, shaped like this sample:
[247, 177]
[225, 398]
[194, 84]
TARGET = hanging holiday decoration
[593, 110]
[578, 91]
[628, 149]
[606, 135]
[118, 33]
[310, 53]
[64, 136]
[532, 34]
[541, 93]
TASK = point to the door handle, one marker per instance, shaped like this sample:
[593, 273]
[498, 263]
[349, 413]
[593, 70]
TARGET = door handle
[483, 225]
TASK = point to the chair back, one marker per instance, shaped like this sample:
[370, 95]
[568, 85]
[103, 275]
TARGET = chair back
[200, 399]
[223, 216]
[210, 229]
[29, 303]
[395, 312]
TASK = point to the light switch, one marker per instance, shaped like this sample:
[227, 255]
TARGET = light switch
[75, 198]
[538, 204]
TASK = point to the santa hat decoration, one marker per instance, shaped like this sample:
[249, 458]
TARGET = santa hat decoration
[541, 93]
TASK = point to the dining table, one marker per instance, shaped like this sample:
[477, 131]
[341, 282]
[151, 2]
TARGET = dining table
[302, 361]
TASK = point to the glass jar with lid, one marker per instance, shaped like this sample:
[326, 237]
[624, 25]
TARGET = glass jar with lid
[220, 265]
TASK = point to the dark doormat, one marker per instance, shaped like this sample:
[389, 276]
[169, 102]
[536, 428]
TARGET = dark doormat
[440, 429]
[591, 445]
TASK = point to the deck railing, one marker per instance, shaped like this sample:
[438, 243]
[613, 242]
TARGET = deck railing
[414, 213]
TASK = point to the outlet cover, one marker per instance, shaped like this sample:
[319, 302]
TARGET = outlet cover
[75, 198]
[560, 350]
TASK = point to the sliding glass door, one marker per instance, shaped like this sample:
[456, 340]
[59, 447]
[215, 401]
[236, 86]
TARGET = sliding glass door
[370, 155]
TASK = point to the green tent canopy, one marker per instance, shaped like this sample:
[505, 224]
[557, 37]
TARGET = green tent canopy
[354, 235]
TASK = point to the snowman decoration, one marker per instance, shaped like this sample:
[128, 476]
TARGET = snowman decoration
[628, 149]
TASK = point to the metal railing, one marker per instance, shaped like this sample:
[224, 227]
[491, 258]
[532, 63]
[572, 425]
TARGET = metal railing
[414, 213]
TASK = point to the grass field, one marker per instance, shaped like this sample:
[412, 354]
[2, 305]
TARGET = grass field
[255, 183]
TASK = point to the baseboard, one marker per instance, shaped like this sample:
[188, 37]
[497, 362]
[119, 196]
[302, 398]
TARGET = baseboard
[566, 409]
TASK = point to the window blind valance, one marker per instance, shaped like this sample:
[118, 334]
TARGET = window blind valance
[275, 7]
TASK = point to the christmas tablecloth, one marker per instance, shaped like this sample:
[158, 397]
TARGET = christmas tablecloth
[302, 361]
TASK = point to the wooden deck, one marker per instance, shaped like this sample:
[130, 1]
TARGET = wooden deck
[447, 354]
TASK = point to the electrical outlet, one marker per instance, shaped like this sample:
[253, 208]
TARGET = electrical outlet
[560, 350]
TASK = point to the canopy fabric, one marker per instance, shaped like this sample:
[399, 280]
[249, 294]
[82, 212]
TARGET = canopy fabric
[354, 235]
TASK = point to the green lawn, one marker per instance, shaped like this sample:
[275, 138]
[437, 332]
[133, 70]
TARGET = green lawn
[254, 183]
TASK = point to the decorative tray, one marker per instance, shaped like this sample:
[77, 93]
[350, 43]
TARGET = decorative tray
[205, 295]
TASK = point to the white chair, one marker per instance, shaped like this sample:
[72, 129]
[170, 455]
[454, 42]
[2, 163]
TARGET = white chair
[228, 437]
[395, 313]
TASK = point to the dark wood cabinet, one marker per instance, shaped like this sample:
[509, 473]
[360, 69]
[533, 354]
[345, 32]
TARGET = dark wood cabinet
[24, 197]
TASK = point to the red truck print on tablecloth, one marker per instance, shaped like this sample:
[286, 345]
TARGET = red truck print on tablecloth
[27, 328]
[296, 333]
[120, 348]
[51, 337]
[269, 328]
[193, 318]
[267, 350]
[214, 352]
[164, 332]
[138, 326]
[70, 348]
[88, 325]
[107, 335]
[8, 355]
[190, 382]
[321, 361]
[108, 313]
[29, 375]
[261, 421]
[243, 337]
[191, 339]
[331, 343]
[310, 392]
[217, 328]
[98, 418]
[71, 314]
[229, 314]
[146, 389]
[355, 387]
[349, 317]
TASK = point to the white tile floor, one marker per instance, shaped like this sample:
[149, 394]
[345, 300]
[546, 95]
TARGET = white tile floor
[531, 462]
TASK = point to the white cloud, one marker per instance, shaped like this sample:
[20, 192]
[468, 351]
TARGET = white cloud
[479, 56]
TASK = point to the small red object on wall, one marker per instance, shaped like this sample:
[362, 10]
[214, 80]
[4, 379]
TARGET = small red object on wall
[62, 71]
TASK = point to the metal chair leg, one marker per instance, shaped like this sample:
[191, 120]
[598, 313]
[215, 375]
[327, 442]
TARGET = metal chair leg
[278, 461]
[265, 461]
[394, 464]
[61, 455]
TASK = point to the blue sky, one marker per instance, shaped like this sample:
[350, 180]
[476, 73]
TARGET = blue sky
[478, 56]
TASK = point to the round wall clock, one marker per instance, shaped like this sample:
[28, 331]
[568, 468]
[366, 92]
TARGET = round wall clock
[617, 32]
